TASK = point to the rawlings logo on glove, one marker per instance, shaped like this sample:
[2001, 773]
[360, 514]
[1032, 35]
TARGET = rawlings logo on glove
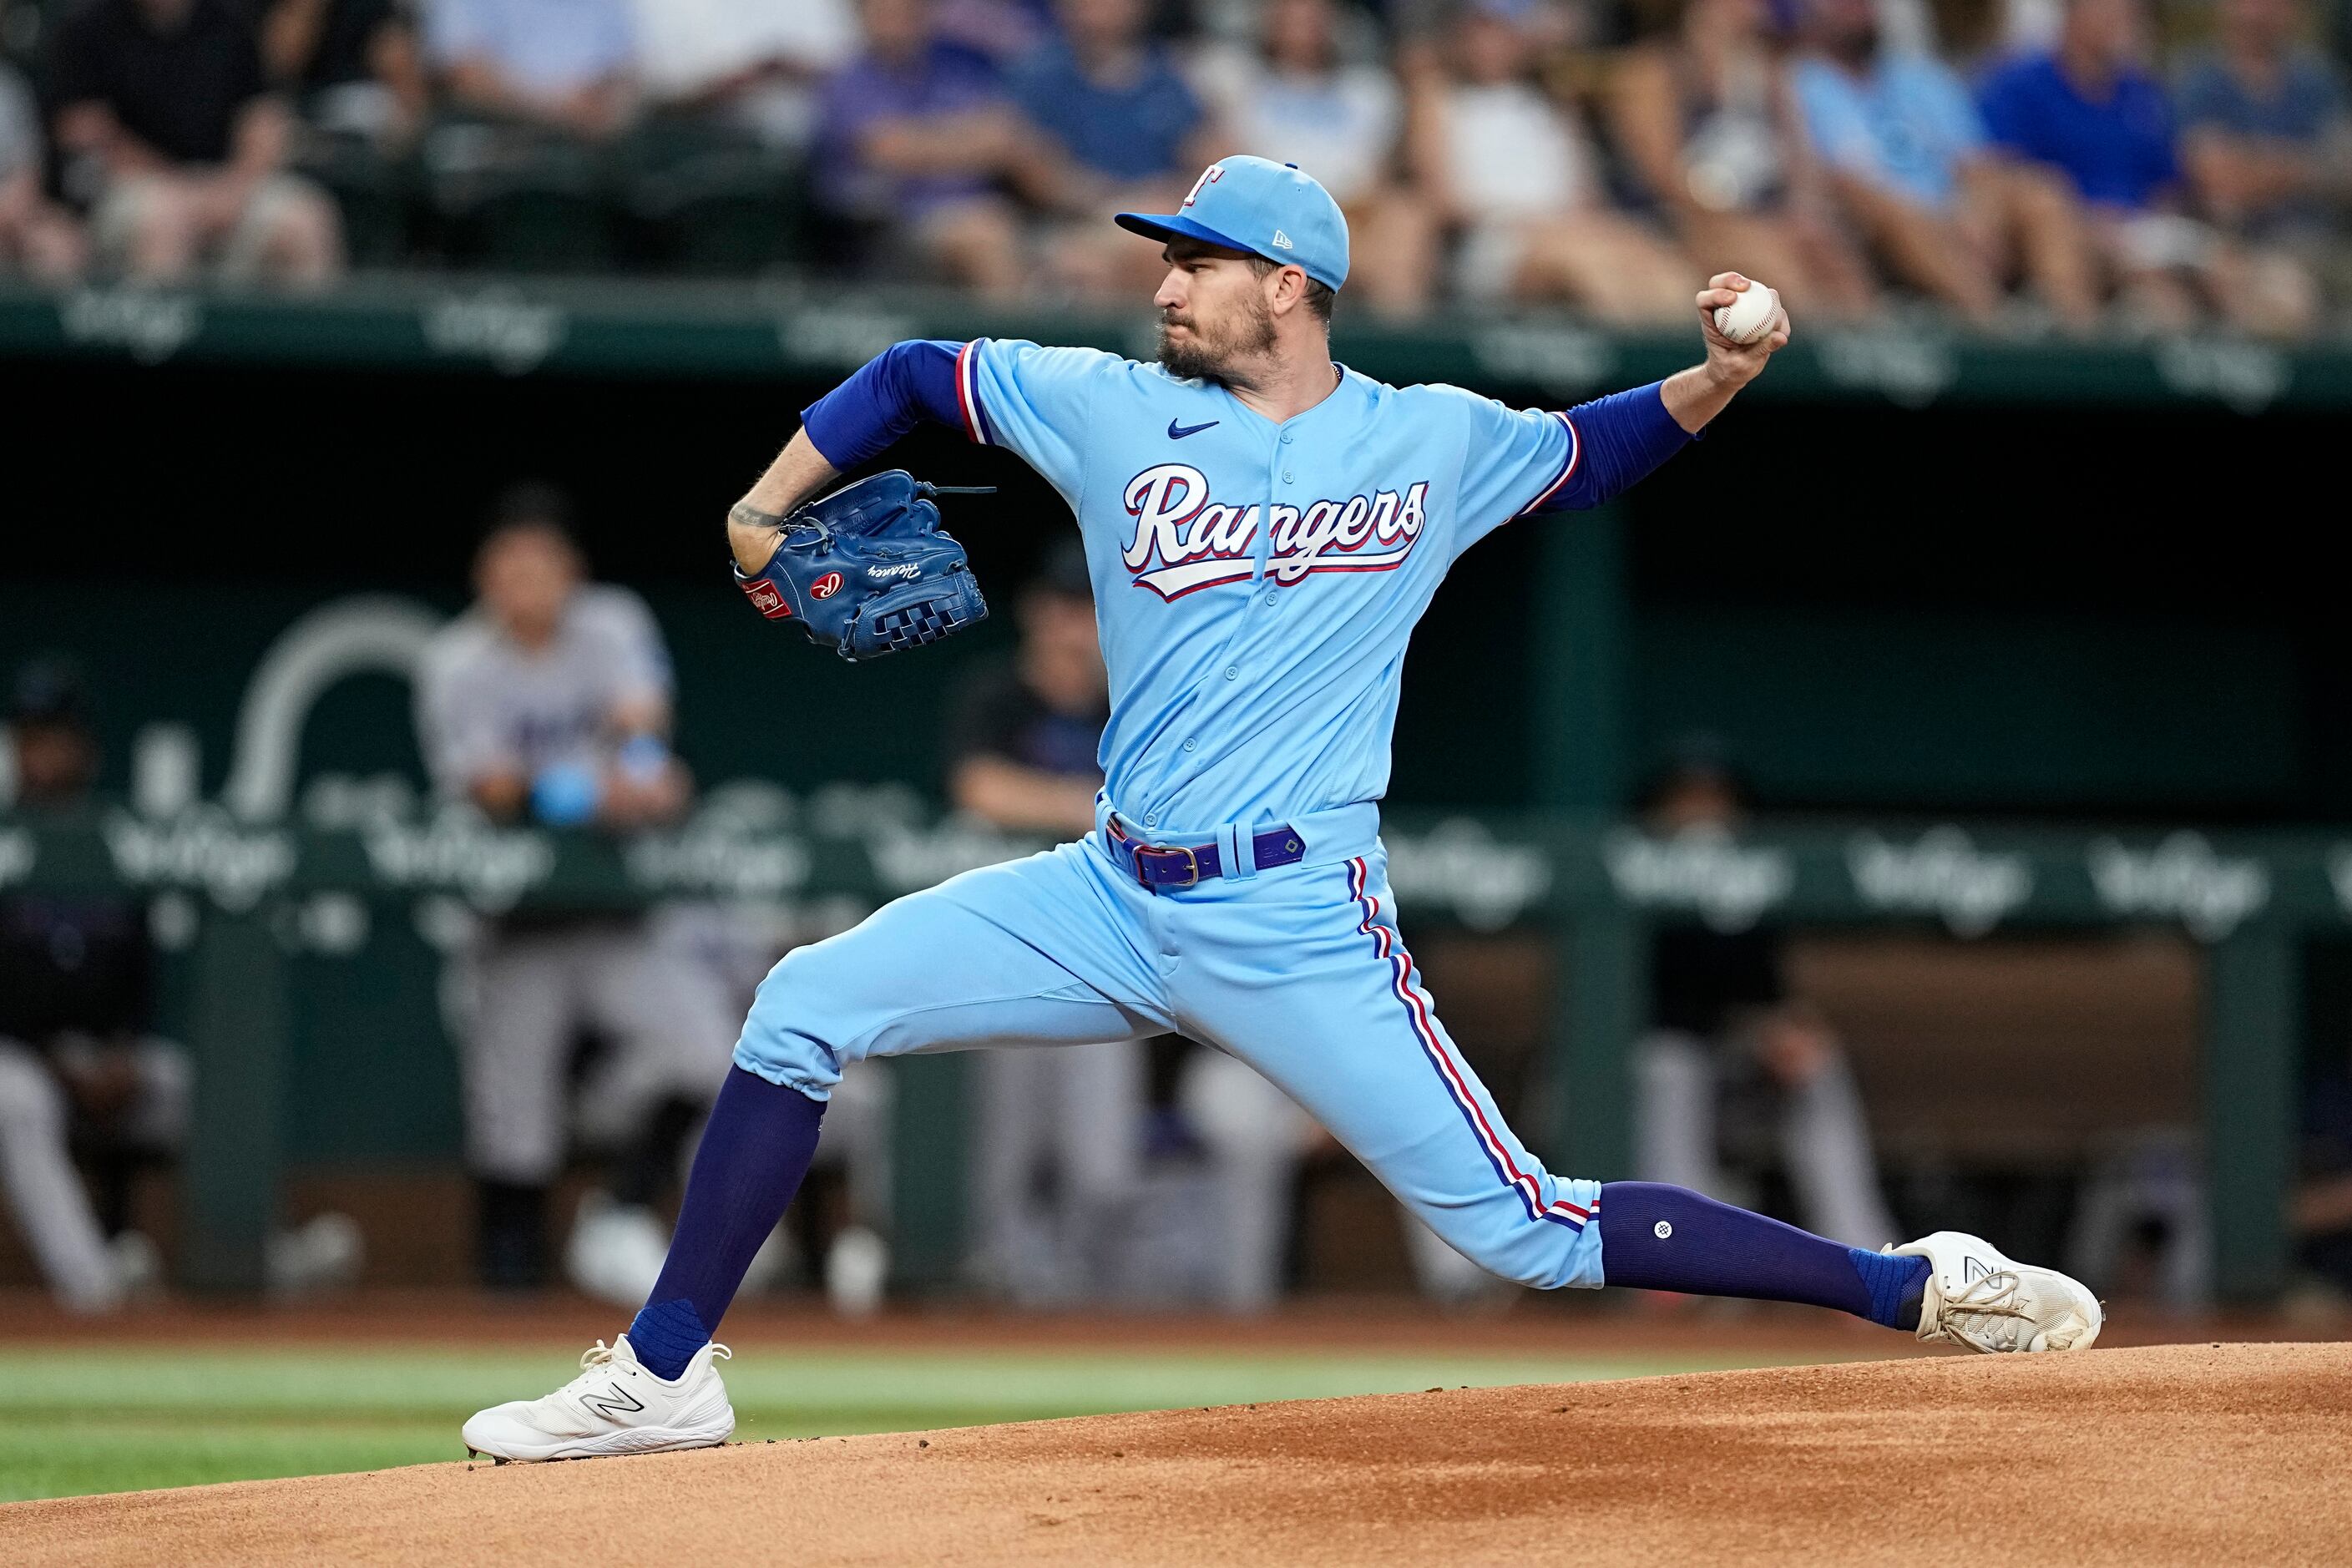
[866, 571]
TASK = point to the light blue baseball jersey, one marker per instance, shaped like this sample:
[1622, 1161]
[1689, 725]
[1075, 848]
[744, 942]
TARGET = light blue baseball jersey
[1257, 583]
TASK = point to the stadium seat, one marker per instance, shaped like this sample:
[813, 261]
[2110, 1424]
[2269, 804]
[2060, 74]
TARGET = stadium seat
[25, 27]
[704, 201]
[375, 193]
[516, 198]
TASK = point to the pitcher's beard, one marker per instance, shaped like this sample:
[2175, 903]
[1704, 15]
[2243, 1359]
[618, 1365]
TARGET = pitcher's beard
[1199, 359]
[1189, 361]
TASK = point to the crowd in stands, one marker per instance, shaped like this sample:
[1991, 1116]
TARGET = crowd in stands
[2029, 164]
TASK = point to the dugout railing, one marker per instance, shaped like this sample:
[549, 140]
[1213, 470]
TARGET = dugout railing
[517, 327]
[2251, 902]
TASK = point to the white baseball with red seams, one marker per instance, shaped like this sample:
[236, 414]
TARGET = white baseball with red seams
[1752, 317]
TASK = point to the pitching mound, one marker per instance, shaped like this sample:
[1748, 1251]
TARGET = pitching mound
[2176, 1454]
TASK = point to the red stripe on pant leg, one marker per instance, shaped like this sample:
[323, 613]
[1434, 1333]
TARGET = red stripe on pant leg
[1427, 1028]
[1497, 1152]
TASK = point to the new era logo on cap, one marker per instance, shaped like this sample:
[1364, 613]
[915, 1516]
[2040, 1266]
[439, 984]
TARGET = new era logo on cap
[1282, 241]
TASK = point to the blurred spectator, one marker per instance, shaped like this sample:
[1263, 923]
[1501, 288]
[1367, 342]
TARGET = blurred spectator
[549, 700]
[1520, 182]
[1128, 133]
[1003, 30]
[755, 64]
[559, 65]
[1110, 98]
[1726, 1030]
[1057, 1146]
[2322, 1214]
[916, 139]
[1296, 102]
[169, 134]
[82, 1071]
[2091, 111]
[77, 997]
[1908, 154]
[351, 65]
[2265, 131]
[36, 235]
[1022, 743]
[1705, 116]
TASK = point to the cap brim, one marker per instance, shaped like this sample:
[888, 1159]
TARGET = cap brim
[1176, 225]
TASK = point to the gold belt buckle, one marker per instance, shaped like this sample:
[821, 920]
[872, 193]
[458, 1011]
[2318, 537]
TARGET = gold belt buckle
[1192, 862]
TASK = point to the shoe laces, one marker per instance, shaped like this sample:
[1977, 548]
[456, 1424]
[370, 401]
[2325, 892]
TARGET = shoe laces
[598, 1356]
[597, 1359]
[1997, 1295]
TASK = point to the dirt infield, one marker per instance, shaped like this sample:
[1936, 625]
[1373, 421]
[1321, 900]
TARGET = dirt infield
[2174, 1454]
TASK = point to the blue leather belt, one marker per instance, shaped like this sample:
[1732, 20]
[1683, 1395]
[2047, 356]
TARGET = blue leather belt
[1162, 868]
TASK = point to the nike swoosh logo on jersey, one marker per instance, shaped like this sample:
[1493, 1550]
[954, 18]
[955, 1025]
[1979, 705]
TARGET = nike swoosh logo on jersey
[1178, 432]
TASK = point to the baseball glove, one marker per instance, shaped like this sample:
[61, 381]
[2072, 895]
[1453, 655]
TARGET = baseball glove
[866, 570]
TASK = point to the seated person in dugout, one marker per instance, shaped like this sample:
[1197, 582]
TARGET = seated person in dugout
[86, 1080]
[80, 1063]
[1730, 1048]
[550, 702]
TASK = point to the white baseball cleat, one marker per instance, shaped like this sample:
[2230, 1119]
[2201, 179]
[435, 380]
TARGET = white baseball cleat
[613, 1407]
[1981, 1298]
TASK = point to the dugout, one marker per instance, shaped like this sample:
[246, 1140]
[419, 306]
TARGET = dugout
[1910, 582]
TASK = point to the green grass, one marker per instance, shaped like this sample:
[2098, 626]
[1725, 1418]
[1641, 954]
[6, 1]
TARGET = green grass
[122, 1419]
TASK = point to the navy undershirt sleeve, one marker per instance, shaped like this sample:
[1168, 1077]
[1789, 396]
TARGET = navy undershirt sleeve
[1623, 438]
[906, 382]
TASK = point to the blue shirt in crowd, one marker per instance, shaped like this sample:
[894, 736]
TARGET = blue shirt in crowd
[550, 46]
[942, 80]
[1130, 130]
[2305, 110]
[2118, 150]
[1905, 127]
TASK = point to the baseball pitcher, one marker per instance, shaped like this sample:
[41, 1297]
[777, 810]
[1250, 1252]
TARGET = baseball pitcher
[1262, 528]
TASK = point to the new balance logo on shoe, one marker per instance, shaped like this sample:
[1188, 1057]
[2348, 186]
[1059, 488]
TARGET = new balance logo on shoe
[614, 1403]
[1973, 1269]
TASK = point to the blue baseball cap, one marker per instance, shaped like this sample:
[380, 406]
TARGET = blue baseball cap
[1267, 208]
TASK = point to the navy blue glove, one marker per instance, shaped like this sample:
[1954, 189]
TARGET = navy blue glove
[866, 570]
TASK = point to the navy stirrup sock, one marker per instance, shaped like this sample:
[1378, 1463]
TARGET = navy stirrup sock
[1657, 1237]
[755, 1150]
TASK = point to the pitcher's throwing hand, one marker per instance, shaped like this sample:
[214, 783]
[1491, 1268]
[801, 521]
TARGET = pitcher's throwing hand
[1732, 353]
